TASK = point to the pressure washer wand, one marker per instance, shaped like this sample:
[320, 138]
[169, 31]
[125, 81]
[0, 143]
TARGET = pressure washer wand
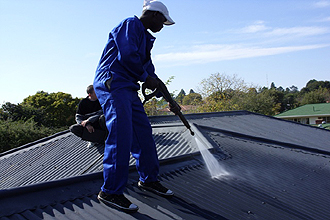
[174, 106]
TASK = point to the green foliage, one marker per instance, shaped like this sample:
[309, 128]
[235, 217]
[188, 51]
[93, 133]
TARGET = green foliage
[262, 103]
[319, 95]
[313, 85]
[211, 104]
[21, 112]
[57, 109]
[155, 106]
[36, 117]
[17, 133]
[45, 113]
[180, 96]
[192, 99]
[223, 93]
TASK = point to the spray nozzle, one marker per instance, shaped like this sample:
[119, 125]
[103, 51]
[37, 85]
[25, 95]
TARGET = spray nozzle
[191, 132]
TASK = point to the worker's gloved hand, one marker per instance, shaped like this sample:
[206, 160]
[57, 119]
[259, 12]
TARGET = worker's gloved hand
[175, 108]
[151, 83]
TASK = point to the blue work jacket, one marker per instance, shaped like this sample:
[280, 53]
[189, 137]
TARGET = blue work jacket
[126, 58]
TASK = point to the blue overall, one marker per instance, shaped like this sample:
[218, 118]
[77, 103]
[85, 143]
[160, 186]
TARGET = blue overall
[125, 61]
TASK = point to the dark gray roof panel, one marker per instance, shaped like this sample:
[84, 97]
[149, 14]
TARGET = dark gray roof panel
[67, 155]
[261, 126]
[270, 175]
[264, 182]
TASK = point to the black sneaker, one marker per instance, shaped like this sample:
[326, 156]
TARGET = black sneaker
[156, 187]
[117, 201]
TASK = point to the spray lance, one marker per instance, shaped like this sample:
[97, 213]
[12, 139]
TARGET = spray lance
[174, 106]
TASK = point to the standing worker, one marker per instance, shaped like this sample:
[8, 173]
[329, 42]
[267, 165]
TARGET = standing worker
[126, 59]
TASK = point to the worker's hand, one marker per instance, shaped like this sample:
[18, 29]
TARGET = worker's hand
[90, 128]
[84, 123]
[151, 83]
[175, 109]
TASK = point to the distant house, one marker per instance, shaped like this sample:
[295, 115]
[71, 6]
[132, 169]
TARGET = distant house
[308, 114]
[184, 109]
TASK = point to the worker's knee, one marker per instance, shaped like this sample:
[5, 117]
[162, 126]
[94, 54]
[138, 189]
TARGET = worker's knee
[77, 129]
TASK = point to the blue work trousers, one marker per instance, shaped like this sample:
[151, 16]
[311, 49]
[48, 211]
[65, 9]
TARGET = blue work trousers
[129, 132]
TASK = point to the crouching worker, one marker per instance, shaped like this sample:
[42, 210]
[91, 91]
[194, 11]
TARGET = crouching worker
[90, 120]
[125, 61]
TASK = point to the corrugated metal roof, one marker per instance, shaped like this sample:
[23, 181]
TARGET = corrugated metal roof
[66, 155]
[259, 126]
[271, 176]
[317, 109]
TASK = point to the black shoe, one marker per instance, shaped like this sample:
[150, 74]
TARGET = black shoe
[156, 187]
[117, 201]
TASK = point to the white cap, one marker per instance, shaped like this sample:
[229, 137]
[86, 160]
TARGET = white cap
[154, 5]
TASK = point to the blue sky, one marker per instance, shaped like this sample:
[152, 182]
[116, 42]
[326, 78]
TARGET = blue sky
[55, 45]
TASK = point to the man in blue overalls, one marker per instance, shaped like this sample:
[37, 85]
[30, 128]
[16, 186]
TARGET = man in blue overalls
[125, 61]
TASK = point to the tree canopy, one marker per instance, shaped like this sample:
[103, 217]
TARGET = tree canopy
[48, 109]
[45, 113]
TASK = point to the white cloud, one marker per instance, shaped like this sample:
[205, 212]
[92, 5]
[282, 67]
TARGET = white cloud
[214, 53]
[299, 31]
[256, 27]
[321, 4]
[259, 27]
[262, 40]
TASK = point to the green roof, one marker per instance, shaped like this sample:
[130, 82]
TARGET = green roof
[308, 110]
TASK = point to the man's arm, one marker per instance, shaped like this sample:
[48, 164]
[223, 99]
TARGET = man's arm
[128, 41]
[93, 117]
[80, 118]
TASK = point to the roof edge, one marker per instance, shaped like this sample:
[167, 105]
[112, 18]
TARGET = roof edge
[297, 116]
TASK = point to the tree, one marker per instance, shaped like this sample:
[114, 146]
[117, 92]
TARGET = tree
[21, 112]
[320, 95]
[277, 95]
[293, 89]
[221, 85]
[259, 102]
[290, 101]
[17, 133]
[180, 96]
[36, 117]
[155, 105]
[192, 99]
[313, 85]
[272, 85]
[218, 91]
[58, 108]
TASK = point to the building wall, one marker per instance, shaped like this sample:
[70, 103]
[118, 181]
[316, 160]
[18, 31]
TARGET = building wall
[312, 120]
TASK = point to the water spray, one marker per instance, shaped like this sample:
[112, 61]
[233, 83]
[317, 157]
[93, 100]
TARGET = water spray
[215, 169]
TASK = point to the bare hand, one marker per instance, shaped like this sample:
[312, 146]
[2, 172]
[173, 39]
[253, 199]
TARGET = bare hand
[83, 123]
[90, 128]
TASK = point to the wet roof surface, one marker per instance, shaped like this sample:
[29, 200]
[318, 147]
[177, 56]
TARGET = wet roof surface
[274, 170]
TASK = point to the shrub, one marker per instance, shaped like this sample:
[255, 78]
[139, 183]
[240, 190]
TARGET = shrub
[17, 133]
